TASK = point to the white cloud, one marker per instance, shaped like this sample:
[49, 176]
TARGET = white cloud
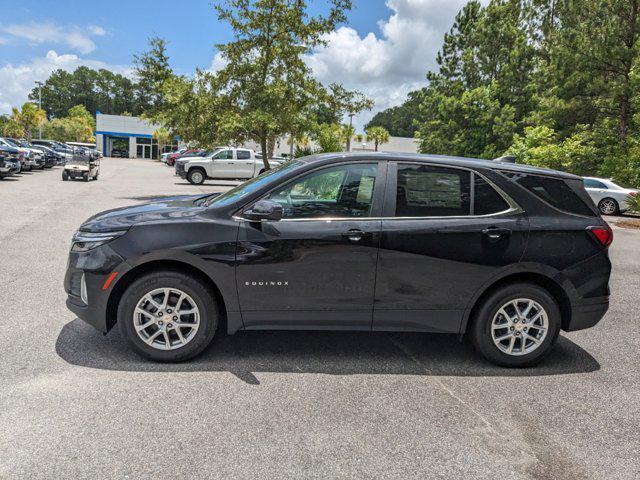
[17, 81]
[389, 66]
[74, 37]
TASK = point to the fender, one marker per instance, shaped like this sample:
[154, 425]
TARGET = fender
[546, 271]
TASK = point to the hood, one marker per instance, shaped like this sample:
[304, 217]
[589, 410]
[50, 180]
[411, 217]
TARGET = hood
[162, 210]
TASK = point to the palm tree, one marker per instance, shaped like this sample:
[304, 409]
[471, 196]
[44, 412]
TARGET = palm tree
[347, 132]
[162, 137]
[377, 135]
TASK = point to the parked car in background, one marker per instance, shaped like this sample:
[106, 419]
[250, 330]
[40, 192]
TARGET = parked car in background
[52, 158]
[35, 155]
[26, 162]
[119, 153]
[60, 148]
[383, 242]
[610, 197]
[222, 163]
[11, 161]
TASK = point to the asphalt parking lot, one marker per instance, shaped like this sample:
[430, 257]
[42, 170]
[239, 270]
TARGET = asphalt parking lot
[76, 404]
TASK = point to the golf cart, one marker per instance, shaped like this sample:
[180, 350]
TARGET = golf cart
[82, 165]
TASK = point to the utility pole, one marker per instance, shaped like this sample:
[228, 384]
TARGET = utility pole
[351, 115]
[39, 107]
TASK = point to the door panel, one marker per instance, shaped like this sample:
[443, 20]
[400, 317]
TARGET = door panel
[316, 267]
[307, 273]
[430, 267]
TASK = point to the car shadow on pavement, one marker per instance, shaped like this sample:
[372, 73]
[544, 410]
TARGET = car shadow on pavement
[331, 353]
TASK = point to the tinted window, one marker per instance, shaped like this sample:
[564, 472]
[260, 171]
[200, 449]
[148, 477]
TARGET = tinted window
[593, 184]
[243, 154]
[486, 199]
[556, 193]
[428, 191]
[340, 191]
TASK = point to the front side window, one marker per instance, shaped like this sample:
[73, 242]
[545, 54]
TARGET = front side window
[429, 191]
[224, 155]
[340, 191]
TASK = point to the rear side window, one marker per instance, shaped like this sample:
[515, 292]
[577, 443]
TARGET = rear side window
[243, 154]
[428, 191]
[486, 199]
[588, 183]
[556, 193]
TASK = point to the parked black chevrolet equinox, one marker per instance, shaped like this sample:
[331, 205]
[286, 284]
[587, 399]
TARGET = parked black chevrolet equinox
[506, 254]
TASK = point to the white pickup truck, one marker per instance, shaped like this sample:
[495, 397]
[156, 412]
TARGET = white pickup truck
[223, 163]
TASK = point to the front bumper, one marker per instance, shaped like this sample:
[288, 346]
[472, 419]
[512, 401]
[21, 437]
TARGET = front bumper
[96, 266]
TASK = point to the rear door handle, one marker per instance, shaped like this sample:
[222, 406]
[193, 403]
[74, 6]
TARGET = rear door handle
[353, 235]
[495, 233]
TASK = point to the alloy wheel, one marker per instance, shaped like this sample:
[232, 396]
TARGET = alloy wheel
[519, 327]
[166, 318]
[608, 206]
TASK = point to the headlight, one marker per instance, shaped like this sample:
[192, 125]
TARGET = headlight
[84, 241]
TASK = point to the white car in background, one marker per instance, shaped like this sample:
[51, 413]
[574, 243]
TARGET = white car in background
[610, 198]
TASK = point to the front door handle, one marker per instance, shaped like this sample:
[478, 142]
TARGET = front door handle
[353, 235]
[495, 233]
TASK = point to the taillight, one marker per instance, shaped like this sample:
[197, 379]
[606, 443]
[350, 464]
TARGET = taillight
[603, 235]
[633, 194]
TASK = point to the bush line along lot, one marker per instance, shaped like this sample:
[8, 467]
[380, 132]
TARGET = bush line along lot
[311, 404]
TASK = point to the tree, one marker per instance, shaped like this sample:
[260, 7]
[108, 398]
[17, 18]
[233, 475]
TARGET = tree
[78, 126]
[329, 137]
[100, 90]
[400, 121]
[25, 120]
[162, 137]
[152, 71]
[377, 135]
[267, 87]
[347, 132]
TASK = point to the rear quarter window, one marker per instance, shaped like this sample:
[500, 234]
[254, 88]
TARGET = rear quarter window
[555, 192]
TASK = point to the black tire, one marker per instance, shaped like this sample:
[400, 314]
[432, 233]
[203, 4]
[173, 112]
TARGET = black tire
[85, 177]
[480, 330]
[261, 172]
[196, 176]
[606, 202]
[202, 296]
[65, 176]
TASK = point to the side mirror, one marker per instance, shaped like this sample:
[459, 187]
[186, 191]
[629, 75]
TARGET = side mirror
[264, 210]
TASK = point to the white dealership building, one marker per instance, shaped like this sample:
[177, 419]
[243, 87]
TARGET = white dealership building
[132, 137]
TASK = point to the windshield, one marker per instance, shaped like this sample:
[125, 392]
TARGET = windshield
[11, 143]
[248, 187]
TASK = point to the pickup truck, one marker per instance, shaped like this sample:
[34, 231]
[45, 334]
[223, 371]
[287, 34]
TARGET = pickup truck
[227, 163]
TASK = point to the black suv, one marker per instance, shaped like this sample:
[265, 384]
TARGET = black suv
[506, 254]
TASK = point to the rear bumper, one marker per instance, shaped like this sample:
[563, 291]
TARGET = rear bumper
[587, 315]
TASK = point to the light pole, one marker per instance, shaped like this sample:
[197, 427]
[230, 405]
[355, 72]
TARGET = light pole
[351, 115]
[39, 84]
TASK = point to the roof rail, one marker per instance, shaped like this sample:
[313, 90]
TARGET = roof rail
[506, 159]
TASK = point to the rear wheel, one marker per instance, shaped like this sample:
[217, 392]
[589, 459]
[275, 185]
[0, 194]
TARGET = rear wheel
[168, 316]
[196, 176]
[516, 326]
[608, 206]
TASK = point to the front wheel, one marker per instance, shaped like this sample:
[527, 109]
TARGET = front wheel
[608, 206]
[168, 316]
[516, 326]
[196, 176]
[65, 176]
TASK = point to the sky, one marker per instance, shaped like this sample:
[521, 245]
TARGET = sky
[384, 49]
